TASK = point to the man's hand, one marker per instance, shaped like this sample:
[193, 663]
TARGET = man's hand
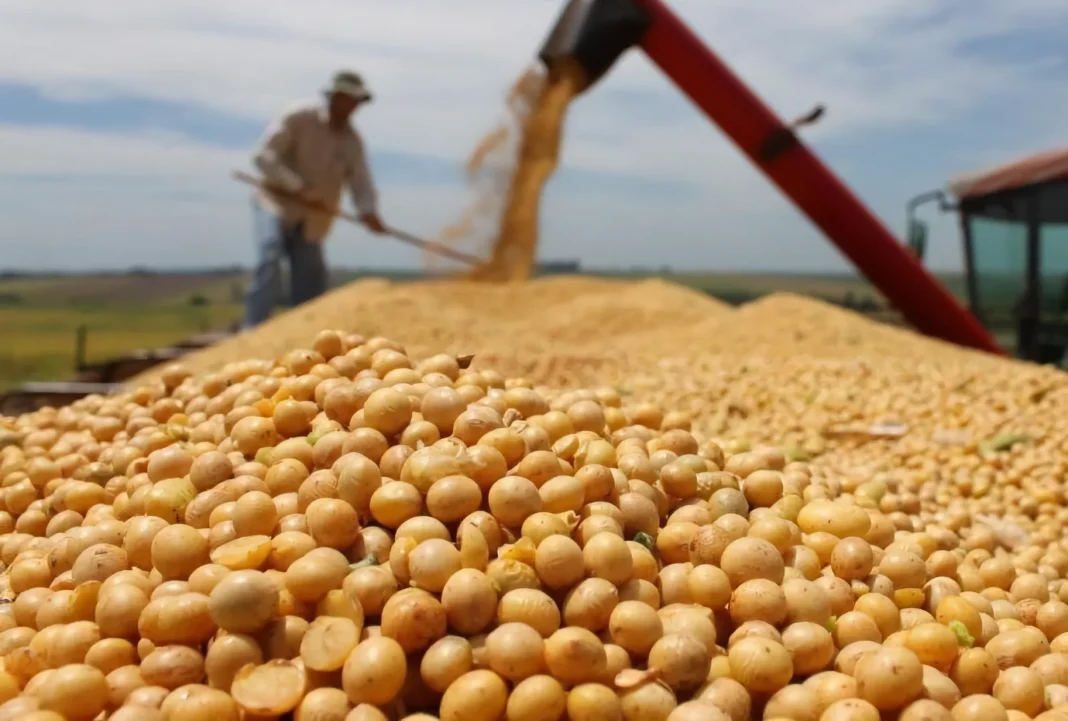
[373, 223]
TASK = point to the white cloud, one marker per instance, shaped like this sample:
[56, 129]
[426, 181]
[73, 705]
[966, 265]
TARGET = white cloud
[72, 152]
[106, 214]
[452, 61]
[440, 70]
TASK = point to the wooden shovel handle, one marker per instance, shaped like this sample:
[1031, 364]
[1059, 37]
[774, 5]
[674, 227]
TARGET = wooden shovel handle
[429, 246]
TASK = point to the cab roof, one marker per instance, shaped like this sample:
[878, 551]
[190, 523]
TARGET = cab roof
[1032, 170]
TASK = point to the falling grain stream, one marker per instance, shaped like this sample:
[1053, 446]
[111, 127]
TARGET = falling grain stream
[509, 202]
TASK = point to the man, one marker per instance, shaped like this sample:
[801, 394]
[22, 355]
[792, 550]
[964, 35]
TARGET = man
[307, 156]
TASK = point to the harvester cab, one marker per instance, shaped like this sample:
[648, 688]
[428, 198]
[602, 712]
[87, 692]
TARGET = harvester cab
[1014, 226]
[593, 34]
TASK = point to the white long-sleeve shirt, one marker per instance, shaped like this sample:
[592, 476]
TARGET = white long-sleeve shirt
[302, 153]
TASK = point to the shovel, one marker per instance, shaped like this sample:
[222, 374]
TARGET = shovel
[429, 246]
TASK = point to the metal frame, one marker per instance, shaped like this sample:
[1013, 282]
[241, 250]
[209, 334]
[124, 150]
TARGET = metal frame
[104, 378]
[1029, 323]
[944, 204]
[970, 280]
[33, 396]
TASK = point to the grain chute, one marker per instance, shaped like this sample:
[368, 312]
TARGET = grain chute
[594, 33]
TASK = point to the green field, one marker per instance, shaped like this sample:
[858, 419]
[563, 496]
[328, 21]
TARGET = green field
[39, 316]
[39, 341]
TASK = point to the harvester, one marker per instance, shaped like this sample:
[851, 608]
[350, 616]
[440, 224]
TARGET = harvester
[1014, 225]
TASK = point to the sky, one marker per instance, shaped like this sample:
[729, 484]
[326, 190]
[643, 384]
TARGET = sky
[120, 121]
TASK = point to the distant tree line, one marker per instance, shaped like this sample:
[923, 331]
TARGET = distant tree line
[133, 271]
[850, 300]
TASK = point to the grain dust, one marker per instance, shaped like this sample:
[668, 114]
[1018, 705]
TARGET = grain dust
[489, 172]
[507, 173]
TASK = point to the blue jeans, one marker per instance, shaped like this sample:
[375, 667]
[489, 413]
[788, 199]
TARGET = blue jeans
[307, 267]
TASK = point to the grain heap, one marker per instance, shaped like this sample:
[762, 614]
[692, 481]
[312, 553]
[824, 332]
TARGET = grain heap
[738, 521]
[547, 316]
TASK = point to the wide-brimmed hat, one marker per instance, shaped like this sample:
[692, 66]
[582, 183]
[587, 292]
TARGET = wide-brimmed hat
[348, 83]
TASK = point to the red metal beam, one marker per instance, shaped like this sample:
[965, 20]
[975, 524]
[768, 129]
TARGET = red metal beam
[810, 184]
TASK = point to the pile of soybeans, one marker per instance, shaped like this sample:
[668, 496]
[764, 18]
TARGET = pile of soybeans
[633, 504]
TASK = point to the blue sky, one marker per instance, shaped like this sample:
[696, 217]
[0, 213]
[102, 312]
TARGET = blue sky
[119, 121]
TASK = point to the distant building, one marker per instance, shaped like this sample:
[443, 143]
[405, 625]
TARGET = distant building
[558, 267]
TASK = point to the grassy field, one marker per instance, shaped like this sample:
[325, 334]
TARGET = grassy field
[39, 316]
[39, 341]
